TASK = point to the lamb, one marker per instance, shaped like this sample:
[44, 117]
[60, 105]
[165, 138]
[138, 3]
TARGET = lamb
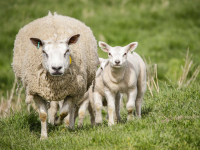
[95, 98]
[125, 73]
[60, 63]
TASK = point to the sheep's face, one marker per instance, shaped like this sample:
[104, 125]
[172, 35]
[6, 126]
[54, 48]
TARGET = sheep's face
[56, 54]
[117, 55]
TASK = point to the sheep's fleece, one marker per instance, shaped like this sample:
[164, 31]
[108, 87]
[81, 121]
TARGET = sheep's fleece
[27, 60]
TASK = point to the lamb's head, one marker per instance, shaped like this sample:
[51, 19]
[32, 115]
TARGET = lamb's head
[56, 54]
[103, 63]
[117, 56]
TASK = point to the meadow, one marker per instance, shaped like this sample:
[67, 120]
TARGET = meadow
[164, 30]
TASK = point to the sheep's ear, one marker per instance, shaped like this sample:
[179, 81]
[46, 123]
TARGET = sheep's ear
[73, 39]
[37, 42]
[131, 47]
[105, 47]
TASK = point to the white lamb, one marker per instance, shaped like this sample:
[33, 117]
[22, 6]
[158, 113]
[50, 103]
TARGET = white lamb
[95, 98]
[125, 73]
[56, 58]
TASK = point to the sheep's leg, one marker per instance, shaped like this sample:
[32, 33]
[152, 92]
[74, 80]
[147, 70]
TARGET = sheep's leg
[111, 106]
[92, 117]
[52, 111]
[131, 103]
[42, 107]
[117, 106]
[98, 107]
[82, 111]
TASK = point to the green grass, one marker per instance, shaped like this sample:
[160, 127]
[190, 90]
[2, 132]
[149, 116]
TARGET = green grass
[170, 120]
[164, 30]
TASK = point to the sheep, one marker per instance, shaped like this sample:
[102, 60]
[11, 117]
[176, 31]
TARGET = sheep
[94, 98]
[124, 73]
[56, 58]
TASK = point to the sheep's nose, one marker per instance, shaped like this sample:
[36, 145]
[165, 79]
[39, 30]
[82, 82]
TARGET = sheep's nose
[117, 62]
[57, 68]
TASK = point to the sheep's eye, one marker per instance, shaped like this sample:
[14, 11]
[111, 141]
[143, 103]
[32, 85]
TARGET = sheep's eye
[66, 52]
[109, 54]
[101, 68]
[44, 53]
[124, 54]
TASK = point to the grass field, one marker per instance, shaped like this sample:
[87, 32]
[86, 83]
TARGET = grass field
[164, 29]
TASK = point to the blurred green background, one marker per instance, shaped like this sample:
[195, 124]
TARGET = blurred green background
[164, 29]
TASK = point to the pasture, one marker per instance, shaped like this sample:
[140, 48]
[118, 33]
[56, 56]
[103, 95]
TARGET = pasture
[164, 30]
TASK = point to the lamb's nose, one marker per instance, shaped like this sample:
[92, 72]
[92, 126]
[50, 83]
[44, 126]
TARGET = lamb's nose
[57, 68]
[117, 62]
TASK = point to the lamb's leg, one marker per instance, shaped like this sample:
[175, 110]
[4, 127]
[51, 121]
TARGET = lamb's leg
[42, 107]
[138, 105]
[66, 120]
[131, 103]
[111, 106]
[52, 111]
[92, 117]
[141, 88]
[98, 107]
[72, 110]
[117, 106]
[82, 111]
[63, 112]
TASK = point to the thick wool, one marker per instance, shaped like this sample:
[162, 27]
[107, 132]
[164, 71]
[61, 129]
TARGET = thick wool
[27, 60]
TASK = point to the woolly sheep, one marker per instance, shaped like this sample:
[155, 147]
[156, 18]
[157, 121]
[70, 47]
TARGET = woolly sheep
[125, 73]
[44, 66]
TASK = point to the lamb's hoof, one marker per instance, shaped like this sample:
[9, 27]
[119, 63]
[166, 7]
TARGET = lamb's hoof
[43, 138]
[57, 121]
[71, 129]
[110, 123]
[130, 117]
[80, 125]
[98, 123]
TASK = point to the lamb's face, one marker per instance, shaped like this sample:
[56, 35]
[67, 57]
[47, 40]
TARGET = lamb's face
[117, 56]
[56, 54]
[103, 63]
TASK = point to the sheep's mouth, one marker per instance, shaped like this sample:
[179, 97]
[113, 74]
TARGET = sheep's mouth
[57, 73]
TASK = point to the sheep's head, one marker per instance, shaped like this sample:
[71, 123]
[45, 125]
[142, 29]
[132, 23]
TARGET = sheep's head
[56, 54]
[117, 56]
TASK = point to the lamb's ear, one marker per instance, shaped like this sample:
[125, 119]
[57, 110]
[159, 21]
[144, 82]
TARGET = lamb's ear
[105, 47]
[73, 39]
[37, 42]
[131, 47]
[101, 60]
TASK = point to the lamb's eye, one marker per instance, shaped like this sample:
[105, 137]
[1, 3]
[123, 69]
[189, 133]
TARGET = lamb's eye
[101, 68]
[66, 52]
[124, 54]
[109, 54]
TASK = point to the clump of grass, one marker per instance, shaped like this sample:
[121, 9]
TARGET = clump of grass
[152, 76]
[188, 67]
[8, 104]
